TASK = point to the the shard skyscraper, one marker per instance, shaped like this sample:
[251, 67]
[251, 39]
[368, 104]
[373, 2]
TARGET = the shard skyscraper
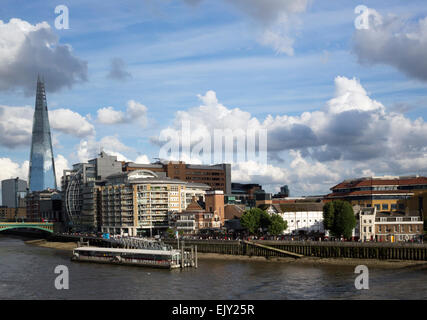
[42, 167]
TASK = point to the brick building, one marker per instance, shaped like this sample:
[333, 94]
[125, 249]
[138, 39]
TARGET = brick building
[217, 176]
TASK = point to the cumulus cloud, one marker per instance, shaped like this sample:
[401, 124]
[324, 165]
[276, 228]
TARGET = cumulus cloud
[11, 169]
[118, 70]
[27, 50]
[351, 135]
[61, 164]
[135, 113]
[70, 122]
[393, 41]
[90, 148]
[16, 124]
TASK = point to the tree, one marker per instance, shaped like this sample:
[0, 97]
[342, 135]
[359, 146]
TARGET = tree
[277, 225]
[251, 220]
[328, 215]
[338, 218]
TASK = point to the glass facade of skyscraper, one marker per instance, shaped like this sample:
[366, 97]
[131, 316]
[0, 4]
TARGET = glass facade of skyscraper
[42, 167]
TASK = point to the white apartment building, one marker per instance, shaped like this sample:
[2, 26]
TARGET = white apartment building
[135, 202]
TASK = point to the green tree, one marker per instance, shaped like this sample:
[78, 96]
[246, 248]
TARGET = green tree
[251, 220]
[171, 233]
[264, 221]
[277, 225]
[338, 218]
[328, 215]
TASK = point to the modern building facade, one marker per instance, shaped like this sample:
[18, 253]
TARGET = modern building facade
[140, 202]
[243, 194]
[81, 188]
[13, 193]
[42, 166]
[217, 176]
[44, 205]
[386, 193]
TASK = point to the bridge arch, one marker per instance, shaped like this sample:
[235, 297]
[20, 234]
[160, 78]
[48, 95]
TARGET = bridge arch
[47, 227]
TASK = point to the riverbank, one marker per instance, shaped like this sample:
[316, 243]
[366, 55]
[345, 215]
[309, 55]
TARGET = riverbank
[394, 264]
[69, 246]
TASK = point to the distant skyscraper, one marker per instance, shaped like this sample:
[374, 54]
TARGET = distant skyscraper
[42, 167]
[13, 192]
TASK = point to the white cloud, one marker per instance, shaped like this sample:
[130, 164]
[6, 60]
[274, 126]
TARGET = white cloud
[16, 124]
[11, 169]
[135, 113]
[393, 41]
[61, 163]
[143, 159]
[352, 135]
[70, 122]
[108, 115]
[27, 50]
[90, 148]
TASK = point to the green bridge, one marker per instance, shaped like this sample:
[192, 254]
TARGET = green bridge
[45, 226]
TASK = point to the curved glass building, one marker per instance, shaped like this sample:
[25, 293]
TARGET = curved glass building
[42, 167]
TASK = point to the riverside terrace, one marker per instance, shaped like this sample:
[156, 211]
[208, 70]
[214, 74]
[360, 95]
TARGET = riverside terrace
[270, 248]
[383, 251]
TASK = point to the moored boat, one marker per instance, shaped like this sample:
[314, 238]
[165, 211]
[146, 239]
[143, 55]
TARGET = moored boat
[168, 259]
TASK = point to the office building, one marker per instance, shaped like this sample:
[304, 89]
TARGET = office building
[217, 176]
[42, 167]
[385, 193]
[44, 205]
[13, 193]
[81, 188]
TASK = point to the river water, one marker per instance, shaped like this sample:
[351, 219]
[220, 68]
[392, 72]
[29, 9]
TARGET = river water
[27, 272]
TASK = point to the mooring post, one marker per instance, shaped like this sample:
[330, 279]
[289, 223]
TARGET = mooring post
[182, 256]
[195, 253]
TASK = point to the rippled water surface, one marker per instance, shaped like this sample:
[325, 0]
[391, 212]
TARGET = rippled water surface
[27, 272]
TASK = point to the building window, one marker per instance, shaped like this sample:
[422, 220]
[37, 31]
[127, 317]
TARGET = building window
[385, 206]
[377, 206]
[393, 206]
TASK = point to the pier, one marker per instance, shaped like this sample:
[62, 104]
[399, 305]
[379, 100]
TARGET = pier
[264, 248]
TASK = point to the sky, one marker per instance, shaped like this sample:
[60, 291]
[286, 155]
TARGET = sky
[339, 91]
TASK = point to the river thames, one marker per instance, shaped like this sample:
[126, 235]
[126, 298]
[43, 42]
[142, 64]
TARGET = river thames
[27, 272]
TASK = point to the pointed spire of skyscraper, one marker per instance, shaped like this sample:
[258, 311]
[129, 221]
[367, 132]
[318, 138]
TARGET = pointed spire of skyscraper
[42, 167]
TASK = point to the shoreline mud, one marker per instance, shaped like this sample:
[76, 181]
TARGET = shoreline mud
[393, 264]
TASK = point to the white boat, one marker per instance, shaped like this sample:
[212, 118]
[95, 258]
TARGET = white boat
[168, 259]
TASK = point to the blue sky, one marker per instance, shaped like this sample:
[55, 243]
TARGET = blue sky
[177, 50]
